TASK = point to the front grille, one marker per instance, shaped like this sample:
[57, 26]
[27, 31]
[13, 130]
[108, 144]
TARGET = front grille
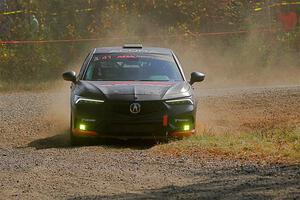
[119, 121]
[147, 107]
[116, 120]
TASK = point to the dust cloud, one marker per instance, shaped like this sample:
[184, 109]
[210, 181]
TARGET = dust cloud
[57, 114]
[230, 60]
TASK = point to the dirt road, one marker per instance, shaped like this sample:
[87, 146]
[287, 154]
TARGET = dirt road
[36, 161]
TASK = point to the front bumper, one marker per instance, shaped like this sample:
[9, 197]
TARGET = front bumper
[156, 120]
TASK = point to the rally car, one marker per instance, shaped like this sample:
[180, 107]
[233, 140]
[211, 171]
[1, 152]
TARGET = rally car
[131, 92]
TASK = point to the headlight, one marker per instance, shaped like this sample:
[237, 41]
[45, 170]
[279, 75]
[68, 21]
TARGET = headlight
[79, 99]
[185, 101]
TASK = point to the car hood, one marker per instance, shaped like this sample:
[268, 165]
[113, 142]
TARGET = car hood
[135, 90]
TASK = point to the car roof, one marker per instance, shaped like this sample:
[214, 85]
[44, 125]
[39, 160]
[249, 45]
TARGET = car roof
[132, 49]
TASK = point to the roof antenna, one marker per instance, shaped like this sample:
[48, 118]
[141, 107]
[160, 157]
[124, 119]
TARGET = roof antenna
[132, 46]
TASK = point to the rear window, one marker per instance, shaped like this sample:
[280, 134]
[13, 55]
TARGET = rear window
[132, 67]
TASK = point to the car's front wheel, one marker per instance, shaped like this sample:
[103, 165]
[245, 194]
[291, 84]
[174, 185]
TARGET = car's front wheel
[75, 141]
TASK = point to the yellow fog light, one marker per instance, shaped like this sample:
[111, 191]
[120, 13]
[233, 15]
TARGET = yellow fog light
[82, 127]
[186, 127]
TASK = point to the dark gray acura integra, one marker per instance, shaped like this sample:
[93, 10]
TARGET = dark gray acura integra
[132, 92]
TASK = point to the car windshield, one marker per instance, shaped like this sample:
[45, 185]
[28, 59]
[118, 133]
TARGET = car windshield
[132, 67]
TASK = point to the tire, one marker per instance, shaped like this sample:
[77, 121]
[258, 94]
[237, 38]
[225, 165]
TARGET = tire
[75, 141]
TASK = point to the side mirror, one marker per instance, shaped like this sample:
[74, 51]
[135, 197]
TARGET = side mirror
[70, 76]
[197, 77]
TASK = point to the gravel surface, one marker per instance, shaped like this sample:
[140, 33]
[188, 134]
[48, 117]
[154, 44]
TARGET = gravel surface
[36, 161]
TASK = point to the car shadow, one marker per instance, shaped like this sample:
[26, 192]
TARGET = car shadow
[62, 140]
[262, 183]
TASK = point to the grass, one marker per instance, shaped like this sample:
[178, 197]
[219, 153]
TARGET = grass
[275, 146]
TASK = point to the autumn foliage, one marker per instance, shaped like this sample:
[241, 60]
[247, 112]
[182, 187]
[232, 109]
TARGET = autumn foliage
[111, 22]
